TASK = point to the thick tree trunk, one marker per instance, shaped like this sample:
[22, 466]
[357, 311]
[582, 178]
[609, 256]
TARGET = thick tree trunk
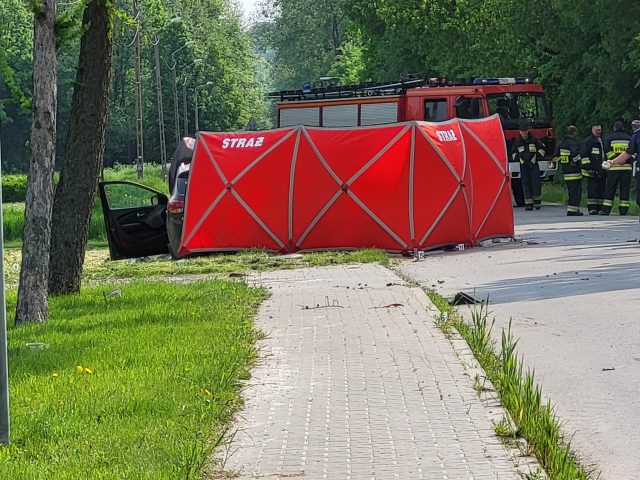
[32, 303]
[76, 191]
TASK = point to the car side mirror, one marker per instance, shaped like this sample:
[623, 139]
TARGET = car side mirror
[159, 199]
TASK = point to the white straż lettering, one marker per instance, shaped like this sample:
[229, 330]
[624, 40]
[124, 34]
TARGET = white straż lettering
[446, 135]
[242, 142]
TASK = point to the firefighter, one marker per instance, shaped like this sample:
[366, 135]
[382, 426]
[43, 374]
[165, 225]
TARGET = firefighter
[528, 150]
[631, 153]
[615, 144]
[569, 157]
[592, 157]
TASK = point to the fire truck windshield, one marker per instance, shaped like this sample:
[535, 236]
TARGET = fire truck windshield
[515, 107]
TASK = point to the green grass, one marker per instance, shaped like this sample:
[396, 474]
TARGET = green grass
[556, 192]
[139, 385]
[152, 176]
[13, 213]
[98, 267]
[532, 418]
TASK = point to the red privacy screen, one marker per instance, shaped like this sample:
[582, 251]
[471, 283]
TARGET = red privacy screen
[398, 187]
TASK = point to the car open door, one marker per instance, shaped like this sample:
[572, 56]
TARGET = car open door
[135, 219]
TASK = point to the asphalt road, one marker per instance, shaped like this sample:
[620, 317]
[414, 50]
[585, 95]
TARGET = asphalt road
[571, 286]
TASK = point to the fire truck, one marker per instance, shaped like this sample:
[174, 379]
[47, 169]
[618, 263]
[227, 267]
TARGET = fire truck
[515, 100]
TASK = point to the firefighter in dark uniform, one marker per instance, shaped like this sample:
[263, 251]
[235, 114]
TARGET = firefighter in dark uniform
[592, 157]
[568, 154]
[631, 153]
[528, 150]
[615, 144]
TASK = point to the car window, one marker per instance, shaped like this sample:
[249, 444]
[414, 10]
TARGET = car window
[124, 195]
[435, 110]
[469, 108]
[517, 106]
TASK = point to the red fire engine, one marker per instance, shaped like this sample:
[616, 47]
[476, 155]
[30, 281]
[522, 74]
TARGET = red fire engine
[516, 100]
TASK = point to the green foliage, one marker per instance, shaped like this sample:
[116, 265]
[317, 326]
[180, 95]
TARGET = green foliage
[69, 24]
[13, 221]
[139, 384]
[219, 39]
[587, 56]
[16, 38]
[306, 38]
[14, 188]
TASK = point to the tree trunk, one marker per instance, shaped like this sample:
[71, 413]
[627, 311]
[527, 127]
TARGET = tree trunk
[76, 191]
[32, 303]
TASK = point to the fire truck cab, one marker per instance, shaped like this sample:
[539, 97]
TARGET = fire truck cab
[516, 100]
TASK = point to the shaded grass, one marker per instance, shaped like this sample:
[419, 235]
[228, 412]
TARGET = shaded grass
[556, 192]
[139, 385]
[98, 267]
[533, 418]
[13, 213]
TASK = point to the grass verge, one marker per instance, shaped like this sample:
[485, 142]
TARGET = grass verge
[98, 267]
[534, 419]
[13, 213]
[136, 384]
[556, 192]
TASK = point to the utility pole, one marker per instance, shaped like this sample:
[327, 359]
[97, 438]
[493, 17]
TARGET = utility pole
[173, 68]
[163, 143]
[139, 126]
[4, 370]
[176, 114]
[155, 41]
[184, 104]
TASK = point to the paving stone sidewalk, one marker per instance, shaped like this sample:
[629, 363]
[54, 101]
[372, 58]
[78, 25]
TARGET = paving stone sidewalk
[356, 382]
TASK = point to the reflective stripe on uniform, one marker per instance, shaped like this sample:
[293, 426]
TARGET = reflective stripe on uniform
[532, 148]
[572, 176]
[541, 152]
[624, 203]
[607, 203]
[621, 167]
[586, 174]
[586, 161]
[592, 201]
[595, 151]
[571, 208]
[521, 149]
[619, 146]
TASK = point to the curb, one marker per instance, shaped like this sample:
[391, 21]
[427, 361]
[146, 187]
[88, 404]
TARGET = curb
[526, 464]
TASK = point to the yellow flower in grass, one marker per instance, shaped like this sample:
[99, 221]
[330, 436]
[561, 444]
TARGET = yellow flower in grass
[207, 393]
[80, 369]
[55, 374]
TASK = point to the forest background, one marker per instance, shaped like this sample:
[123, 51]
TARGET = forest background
[586, 54]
